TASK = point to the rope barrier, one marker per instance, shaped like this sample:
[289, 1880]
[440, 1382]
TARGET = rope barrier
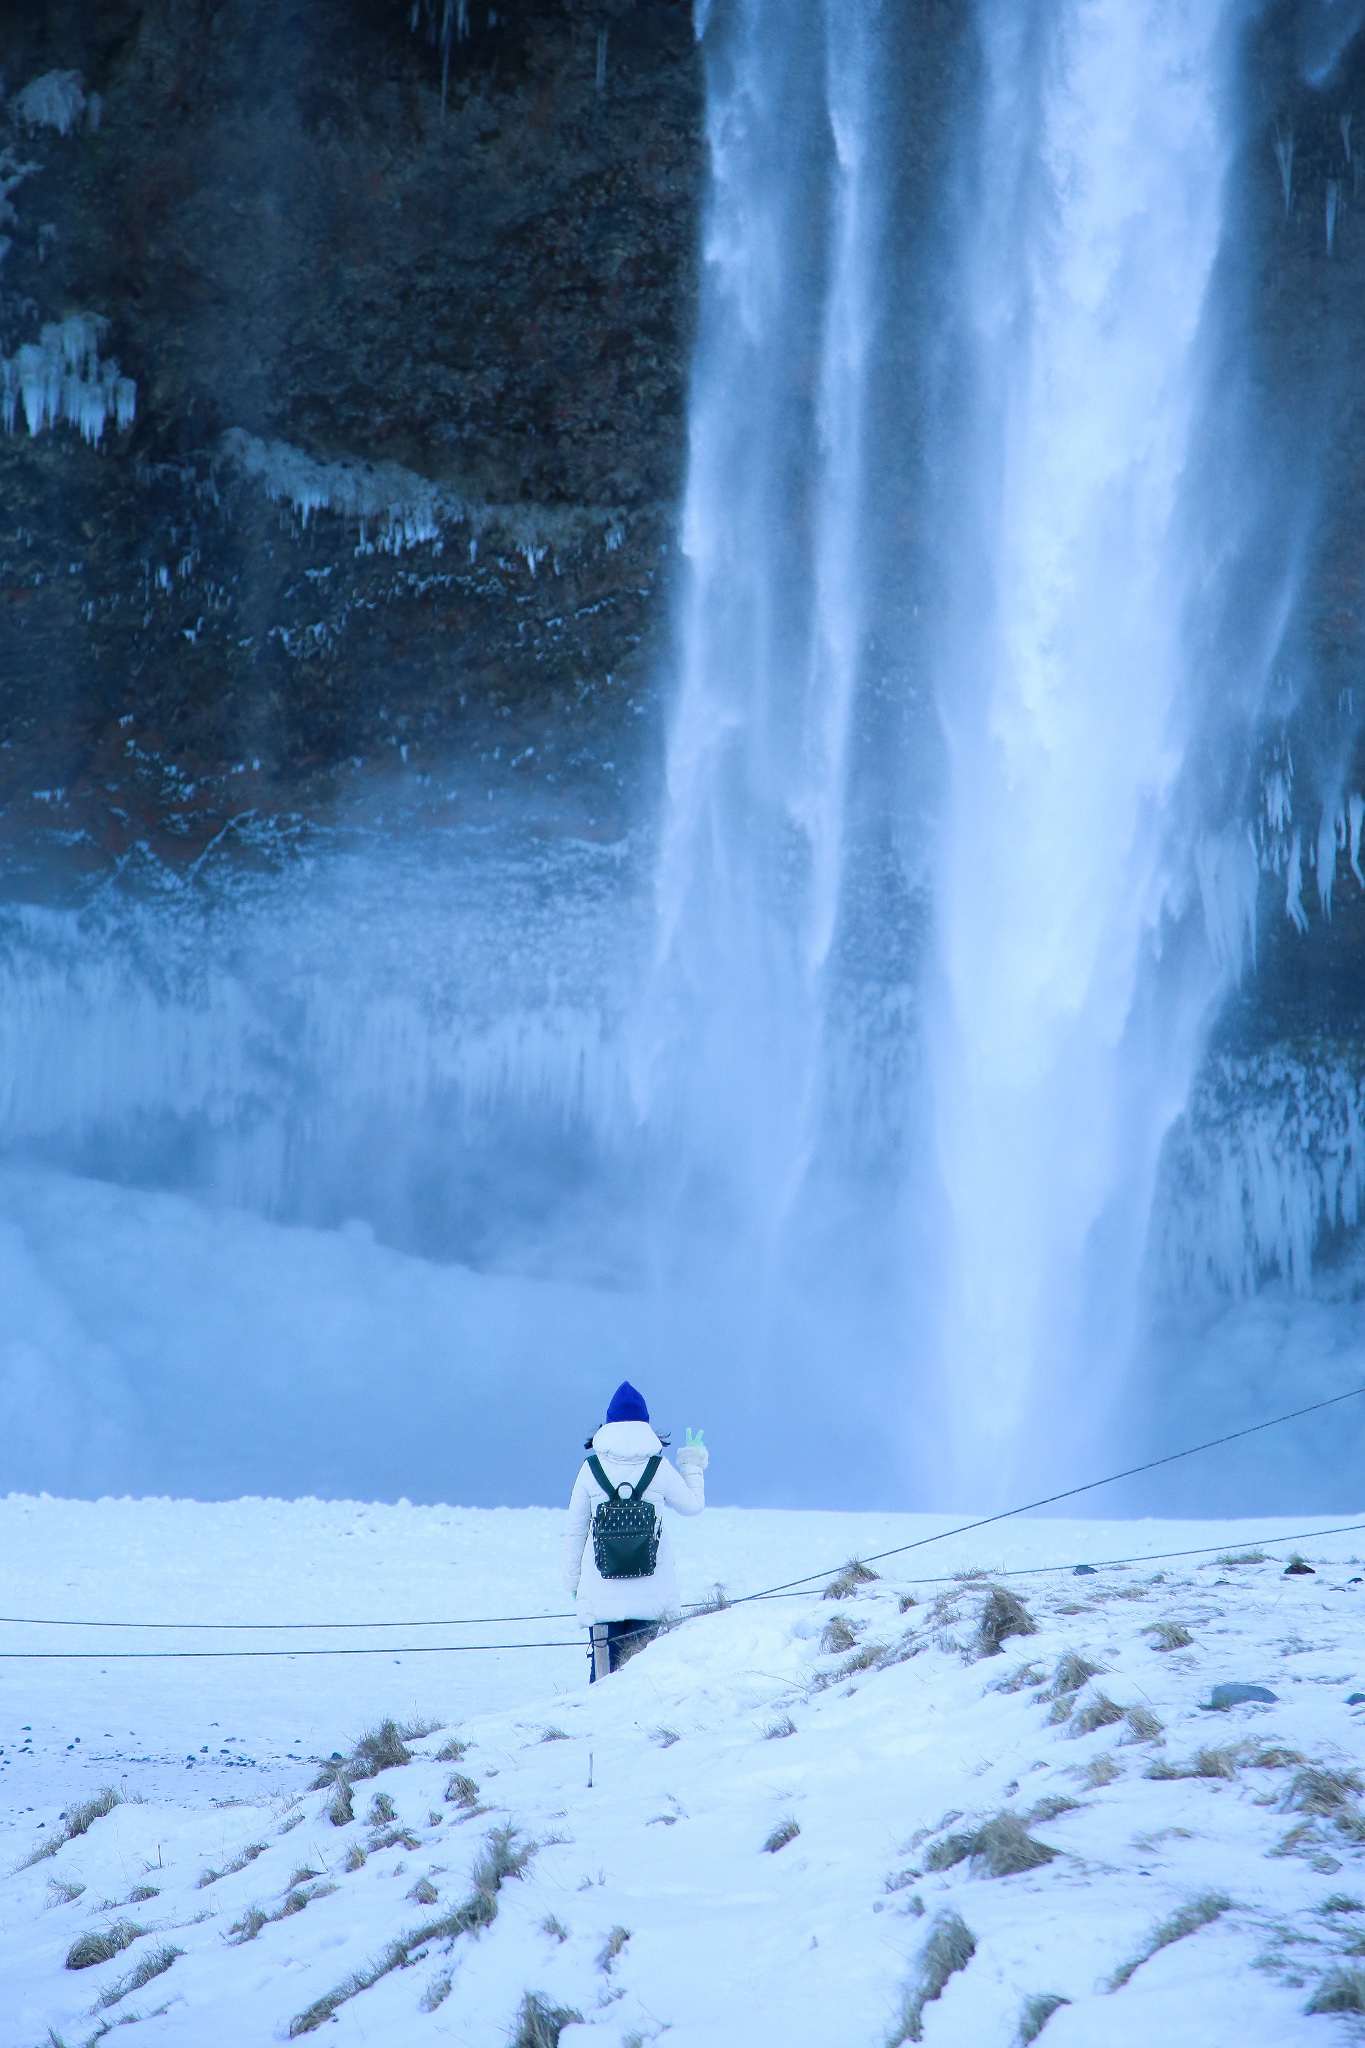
[1070, 1493]
[792, 1587]
[463, 1621]
[378, 1650]
[1033, 1571]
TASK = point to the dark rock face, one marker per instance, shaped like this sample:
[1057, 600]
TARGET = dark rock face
[408, 316]
[1299, 352]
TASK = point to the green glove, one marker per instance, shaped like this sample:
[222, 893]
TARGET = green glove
[690, 1439]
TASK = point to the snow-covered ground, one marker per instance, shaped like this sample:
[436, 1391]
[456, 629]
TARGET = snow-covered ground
[1200, 1880]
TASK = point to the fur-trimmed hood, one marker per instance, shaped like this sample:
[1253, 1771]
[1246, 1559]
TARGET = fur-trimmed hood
[626, 1442]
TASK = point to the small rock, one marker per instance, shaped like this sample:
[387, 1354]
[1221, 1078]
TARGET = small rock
[1299, 1570]
[1084, 1571]
[1236, 1695]
[1355, 1699]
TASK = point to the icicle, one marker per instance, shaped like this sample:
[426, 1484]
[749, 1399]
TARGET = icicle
[1329, 838]
[601, 60]
[1345, 125]
[1229, 876]
[1356, 809]
[1333, 206]
[55, 100]
[1293, 896]
[1284, 157]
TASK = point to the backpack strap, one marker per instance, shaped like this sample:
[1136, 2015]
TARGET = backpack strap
[642, 1485]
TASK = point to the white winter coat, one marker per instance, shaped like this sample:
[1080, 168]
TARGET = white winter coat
[624, 1449]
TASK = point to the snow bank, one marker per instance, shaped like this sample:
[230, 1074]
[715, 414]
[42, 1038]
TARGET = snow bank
[1102, 1858]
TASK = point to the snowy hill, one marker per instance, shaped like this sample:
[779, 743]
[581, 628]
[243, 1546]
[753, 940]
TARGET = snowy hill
[889, 1815]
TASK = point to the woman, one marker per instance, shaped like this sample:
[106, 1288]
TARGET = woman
[619, 1565]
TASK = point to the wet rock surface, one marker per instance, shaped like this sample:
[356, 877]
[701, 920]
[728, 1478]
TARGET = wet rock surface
[408, 315]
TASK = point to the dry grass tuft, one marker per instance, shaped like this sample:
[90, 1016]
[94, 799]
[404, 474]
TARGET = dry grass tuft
[1101, 1770]
[778, 1731]
[786, 1831]
[837, 1635]
[1230, 1557]
[1143, 1725]
[382, 1811]
[1055, 1804]
[1038, 2010]
[461, 1791]
[950, 1947]
[1020, 1678]
[239, 1862]
[340, 1808]
[64, 1891]
[1100, 1712]
[1316, 1789]
[102, 1946]
[153, 1965]
[498, 1861]
[615, 1942]
[540, 2024]
[1276, 1759]
[1000, 1847]
[78, 1821]
[554, 1928]
[665, 1737]
[1200, 1912]
[248, 1927]
[437, 1992]
[451, 1752]
[1205, 1763]
[1073, 1671]
[854, 1574]
[355, 1858]
[1003, 1615]
[1169, 1635]
[384, 1748]
[1340, 1991]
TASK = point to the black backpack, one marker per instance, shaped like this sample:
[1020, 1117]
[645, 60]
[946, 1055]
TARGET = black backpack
[625, 1528]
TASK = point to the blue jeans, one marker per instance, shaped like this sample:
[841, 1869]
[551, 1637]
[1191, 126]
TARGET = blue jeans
[612, 1643]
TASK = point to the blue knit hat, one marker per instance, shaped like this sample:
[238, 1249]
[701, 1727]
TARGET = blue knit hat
[626, 1405]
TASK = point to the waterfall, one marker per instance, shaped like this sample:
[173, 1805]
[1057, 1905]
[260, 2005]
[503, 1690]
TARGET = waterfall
[1040, 423]
[731, 1047]
[1067, 694]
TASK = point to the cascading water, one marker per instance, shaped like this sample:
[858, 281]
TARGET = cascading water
[751, 861]
[1068, 688]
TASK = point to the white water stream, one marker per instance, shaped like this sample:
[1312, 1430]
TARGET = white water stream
[1068, 692]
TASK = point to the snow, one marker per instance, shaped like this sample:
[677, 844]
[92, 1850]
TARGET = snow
[651, 1814]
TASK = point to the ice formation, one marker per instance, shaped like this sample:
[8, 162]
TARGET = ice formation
[399, 507]
[55, 100]
[396, 508]
[62, 377]
[1269, 1157]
